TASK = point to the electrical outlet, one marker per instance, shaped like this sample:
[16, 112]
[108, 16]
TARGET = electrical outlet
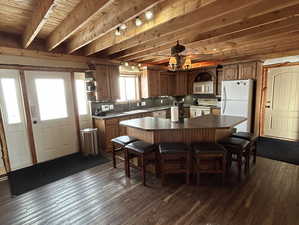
[111, 107]
[143, 103]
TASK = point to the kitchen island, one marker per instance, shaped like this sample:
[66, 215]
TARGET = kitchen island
[208, 128]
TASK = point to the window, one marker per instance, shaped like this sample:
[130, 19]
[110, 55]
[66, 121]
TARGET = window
[128, 85]
[51, 98]
[11, 100]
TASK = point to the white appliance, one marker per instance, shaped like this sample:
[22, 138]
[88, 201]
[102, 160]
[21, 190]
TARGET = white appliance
[196, 111]
[174, 113]
[205, 87]
[236, 100]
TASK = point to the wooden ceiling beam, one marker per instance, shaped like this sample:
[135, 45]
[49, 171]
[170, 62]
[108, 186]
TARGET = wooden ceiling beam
[79, 17]
[249, 44]
[245, 26]
[40, 16]
[236, 20]
[116, 14]
[167, 22]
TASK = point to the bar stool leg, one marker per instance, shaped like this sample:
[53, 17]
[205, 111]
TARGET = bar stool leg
[162, 163]
[254, 152]
[247, 156]
[188, 163]
[157, 164]
[127, 163]
[223, 168]
[142, 168]
[113, 155]
[239, 158]
[197, 170]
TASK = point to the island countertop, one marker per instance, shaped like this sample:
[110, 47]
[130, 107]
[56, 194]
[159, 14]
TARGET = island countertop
[202, 122]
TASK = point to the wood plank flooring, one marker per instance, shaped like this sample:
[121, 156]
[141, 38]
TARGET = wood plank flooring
[102, 195]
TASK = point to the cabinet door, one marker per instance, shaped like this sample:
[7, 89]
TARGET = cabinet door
[112, 131]
[102, 80]
[171, 85]
[181, 83]
[113, 74]
[164, 84]
[154, 83]
[247, 71]
[230, 72]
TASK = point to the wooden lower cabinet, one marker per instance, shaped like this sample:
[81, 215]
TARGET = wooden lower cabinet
[110, 128]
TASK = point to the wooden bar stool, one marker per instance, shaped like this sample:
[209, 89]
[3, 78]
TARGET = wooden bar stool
[143, 151]
[237, 149]
[175, 154]
[121, 141]
[209, 158]
[251, 138]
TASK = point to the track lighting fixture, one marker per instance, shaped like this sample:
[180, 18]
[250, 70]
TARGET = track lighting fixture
[138, 21]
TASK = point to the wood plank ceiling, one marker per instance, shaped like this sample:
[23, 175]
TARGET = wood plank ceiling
[220, 30]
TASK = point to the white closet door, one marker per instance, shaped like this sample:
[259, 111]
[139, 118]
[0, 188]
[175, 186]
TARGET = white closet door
[282, 103]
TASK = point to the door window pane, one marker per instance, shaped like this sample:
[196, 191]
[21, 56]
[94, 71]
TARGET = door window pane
[81, 97]
[51, 98]
[11, 100]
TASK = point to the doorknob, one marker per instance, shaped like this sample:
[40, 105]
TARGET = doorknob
[267, 106]
[34, 122]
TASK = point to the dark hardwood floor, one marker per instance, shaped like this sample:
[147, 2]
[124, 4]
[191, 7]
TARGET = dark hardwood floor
[102, 195]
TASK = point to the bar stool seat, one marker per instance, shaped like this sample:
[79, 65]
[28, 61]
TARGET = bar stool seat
[245, 135]
[122, 141]
[240, 148]
[143, 151]
[175, 154]
[209, 152]
[251, 138]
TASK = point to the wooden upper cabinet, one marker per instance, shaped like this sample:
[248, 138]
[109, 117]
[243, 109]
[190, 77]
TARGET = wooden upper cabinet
[150, 83]
[167, 83]
[247, 71]
[107, 78]
[164, 79]
[181, 83]
[230, 72]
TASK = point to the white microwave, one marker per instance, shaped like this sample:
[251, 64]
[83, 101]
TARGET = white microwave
[203, 87]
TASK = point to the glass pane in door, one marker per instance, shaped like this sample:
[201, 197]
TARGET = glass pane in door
[11, 100]
[51, 98]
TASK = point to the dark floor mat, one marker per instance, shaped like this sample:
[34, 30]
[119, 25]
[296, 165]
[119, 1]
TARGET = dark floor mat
[286, 151]
[30, 178]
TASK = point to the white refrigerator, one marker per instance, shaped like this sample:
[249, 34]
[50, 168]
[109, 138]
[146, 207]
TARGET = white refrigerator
[236, 100]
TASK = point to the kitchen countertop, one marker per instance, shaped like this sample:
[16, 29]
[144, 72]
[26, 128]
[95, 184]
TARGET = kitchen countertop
[207, 121]
[132, 112]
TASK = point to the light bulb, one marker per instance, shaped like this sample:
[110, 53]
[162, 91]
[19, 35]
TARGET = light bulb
[149, 15]
[138, 22]
[123, 26]
[117, 32]
[126, 64]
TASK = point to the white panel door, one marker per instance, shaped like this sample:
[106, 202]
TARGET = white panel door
[52, 111]
[12, 110]
[282, 103]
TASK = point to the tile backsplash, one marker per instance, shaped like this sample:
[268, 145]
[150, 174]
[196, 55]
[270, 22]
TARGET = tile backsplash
[121, 107]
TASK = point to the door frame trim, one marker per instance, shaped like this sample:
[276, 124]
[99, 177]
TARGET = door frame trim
[264, 90]
[28, 117]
